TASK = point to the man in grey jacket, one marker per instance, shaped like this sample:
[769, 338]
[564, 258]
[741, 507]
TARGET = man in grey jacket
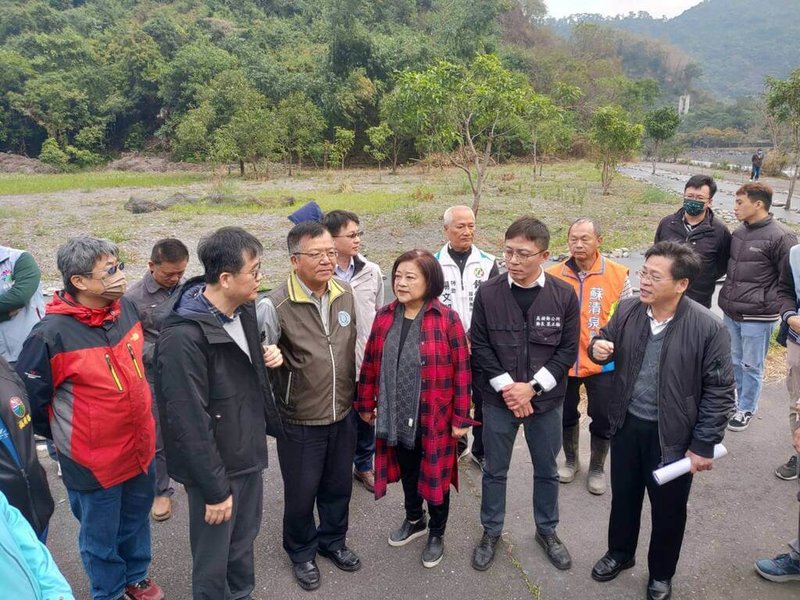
[21, 301]
[674, 393]
[366, 280]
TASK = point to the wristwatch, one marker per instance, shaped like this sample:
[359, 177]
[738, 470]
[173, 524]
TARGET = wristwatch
[538, 390]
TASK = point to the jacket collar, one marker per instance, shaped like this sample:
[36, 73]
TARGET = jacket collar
[431, 306]
[297, 291]
[759, 224]
[64, 304]
[707, 220]
[572, 269]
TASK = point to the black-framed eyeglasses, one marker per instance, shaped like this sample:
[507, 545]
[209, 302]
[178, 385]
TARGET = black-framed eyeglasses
[351, 236]
[655, 279]
[120, 266]
[509, 253]
[317, 256]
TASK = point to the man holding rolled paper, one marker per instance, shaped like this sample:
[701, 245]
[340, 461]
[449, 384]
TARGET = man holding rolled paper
[674, 394]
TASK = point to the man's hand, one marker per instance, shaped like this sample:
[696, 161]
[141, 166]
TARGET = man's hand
[602, 349]
[516, 395]
[367, 417]
[273, 358]
[216, 514]
[699, 463]
[459, 431]
[794, 323]
[523, 411]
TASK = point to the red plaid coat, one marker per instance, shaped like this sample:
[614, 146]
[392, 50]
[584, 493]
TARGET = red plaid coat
[444, 397]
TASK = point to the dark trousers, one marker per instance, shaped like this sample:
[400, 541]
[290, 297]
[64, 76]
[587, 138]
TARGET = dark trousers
[222, 555]
[635, 454]
[114, 537]
[163, 487]
[409, 462]
[543, 437]
[599, 390]
[316, 464]
[365, 444]
[477, 430]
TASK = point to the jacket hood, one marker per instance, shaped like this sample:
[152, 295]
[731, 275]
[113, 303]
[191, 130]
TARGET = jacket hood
[64, 304]
[189, 303]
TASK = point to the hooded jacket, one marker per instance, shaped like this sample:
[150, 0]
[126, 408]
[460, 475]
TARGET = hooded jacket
[83, 371]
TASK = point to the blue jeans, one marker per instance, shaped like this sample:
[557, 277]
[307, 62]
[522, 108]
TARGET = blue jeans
[543, 436]
[365, 444]
[749, 345]
[114, 537]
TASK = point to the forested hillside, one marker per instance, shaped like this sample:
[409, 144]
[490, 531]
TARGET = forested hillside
[290, 80]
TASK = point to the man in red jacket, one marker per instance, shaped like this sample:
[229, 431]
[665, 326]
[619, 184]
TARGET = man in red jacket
[82, 367]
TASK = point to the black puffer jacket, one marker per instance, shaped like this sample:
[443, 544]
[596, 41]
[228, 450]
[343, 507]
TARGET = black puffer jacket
[216, 406]
[758, 252]
[25, 484]
[711, 240]
[696, 390]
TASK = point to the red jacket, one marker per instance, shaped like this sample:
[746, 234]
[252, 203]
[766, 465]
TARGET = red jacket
[83, 371]
[444, 397]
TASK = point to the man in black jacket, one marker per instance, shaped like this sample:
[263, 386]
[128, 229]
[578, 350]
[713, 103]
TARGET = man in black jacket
[22, 478]
[674, 393]
[524, 333]
[217, 408]
[695, 225]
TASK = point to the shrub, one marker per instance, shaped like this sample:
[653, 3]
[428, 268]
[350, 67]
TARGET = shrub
[53, 155]
[774, 163]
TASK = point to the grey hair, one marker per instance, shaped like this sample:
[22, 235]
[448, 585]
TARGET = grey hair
[78, 255]
[448, 214]
[581, 220]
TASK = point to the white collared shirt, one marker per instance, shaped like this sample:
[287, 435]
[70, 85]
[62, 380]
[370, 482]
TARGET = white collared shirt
[657, 326]
[538, 281]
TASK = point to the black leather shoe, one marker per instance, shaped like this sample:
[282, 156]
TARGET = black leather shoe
[483, 555]
[344, 558]
[659, 589]
[607, 568]
[555, 549]
[434, 551]
[307, 574]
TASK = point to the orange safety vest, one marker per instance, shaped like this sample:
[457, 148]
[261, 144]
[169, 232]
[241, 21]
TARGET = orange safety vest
[598, 295]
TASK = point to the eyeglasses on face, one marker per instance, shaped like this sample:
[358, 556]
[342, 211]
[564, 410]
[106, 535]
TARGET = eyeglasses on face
[255, 272]
[351, 236]
[522, 255]
[697, 198]
[652, 278]
[120, 266]
[317, 256]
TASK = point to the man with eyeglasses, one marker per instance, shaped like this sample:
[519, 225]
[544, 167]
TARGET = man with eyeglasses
[524, 332]
[216, 408]
[696, 226]
[152, 295]
[83, 371]
[312, 318]
[465, 268]
[749, 297]
[673, 393]
[366, 280]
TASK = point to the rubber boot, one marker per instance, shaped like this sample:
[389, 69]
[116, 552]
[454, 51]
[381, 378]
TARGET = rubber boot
[596, 482]
[572, 463]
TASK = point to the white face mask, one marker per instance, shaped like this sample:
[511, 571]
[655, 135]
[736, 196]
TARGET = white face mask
[114, 286]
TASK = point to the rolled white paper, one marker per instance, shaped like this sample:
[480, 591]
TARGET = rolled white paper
[682, 467]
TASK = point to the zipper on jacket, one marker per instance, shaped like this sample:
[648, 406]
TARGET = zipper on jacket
[525, 346]
[288, 389]
[580, 315]
[135, 362]
[113, 372]
[333, 364]
[37, 523]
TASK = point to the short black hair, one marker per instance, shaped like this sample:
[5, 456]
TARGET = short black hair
[430, 267]
[310, 229]
[532, 229]
[336, 220]
[698, 181]
[756, 192]
[222, 251]
[686, 264]
[169, 250]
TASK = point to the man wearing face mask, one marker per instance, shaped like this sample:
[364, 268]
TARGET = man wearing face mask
[696, 226]
[82, 368]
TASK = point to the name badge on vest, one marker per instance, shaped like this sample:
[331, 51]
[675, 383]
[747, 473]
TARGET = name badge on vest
[547, 321]
[344, 318]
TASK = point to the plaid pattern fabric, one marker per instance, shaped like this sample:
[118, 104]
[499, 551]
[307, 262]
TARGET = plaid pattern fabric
[444, 398]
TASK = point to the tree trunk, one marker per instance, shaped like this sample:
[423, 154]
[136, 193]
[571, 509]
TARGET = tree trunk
[606, 179]
[535, 160]
[241, 167]
[792, 181]
[655, 157]
[291, 166]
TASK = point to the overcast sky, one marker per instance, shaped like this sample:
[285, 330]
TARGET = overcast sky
[657, 8]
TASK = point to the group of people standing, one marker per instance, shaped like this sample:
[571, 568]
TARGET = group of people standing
[175, 379]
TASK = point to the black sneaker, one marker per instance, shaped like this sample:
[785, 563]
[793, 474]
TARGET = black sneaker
[483, 555]
[740, 421]
[408, 531]
[788, 470]
[434, 552]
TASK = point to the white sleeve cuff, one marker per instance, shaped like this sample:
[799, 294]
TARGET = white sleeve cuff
[545, 379]
[501, 381]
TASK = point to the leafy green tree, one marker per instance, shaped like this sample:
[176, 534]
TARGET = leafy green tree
[614, 138]
[299, 125]
[343, 140]
[660, 125]
[191, 140]
[53, 155]
[546, 128]
[783, 103]
[380, 143]
[247, 137]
